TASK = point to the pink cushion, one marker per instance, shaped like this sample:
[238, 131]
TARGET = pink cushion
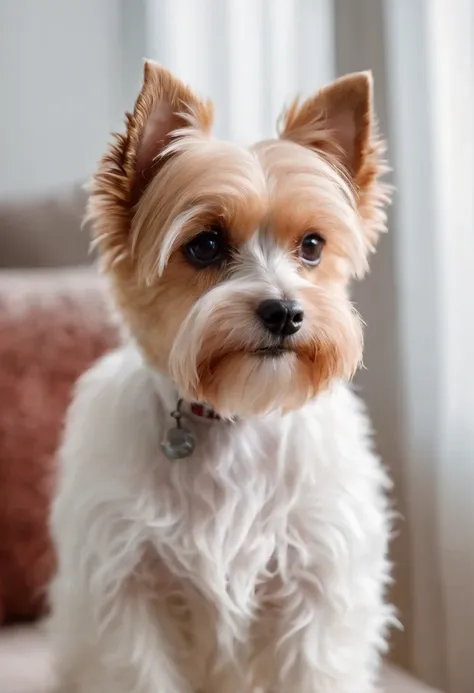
[52, 326]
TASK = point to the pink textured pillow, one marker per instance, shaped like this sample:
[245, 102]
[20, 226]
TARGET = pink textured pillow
[52, 326]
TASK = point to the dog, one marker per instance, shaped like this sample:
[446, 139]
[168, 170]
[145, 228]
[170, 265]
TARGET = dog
[221, 521]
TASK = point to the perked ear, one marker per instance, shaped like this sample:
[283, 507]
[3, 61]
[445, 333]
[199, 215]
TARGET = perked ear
[164, 106]
[339, 122]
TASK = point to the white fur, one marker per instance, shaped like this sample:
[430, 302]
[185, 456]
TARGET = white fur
[257, 564]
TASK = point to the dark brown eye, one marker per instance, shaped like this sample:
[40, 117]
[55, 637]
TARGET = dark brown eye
[311, 248]
[207, 248]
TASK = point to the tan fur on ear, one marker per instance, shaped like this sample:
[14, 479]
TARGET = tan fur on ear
[339, 122]
[163, 106]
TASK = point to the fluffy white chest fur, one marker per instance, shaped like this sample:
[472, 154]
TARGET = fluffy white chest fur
[259, 563]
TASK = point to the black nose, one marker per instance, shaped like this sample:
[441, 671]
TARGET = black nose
[281, 317]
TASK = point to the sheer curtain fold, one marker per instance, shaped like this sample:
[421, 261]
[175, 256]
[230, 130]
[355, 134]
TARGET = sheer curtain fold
[431, 71]
[451, 55]
[249, 56]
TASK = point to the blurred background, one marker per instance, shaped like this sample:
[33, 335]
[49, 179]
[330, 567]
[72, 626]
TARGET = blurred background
[69, 69]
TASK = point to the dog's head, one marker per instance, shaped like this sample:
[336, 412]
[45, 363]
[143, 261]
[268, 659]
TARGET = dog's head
[230, 266]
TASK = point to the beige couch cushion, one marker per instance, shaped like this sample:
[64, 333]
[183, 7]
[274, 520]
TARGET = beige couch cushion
[25, 666]
[44, 231]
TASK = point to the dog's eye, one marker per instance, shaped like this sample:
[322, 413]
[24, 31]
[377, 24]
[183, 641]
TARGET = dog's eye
[311, 248]
[207, 248]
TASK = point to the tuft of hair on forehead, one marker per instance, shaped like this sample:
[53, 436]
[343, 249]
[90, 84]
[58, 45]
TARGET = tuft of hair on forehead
[204, 183]
[164, 109]
[308, 193]
[339, 123]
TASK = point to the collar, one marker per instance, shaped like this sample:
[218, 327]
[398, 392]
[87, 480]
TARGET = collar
[170, 398]
[199, 411]
[203, 411]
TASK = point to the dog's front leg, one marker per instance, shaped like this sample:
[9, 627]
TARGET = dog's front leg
[147, 643]
[124, 644]
[308, 643]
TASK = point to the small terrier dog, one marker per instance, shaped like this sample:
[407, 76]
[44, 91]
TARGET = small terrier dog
[221, 522]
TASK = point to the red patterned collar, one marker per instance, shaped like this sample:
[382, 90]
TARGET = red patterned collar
[203, 411]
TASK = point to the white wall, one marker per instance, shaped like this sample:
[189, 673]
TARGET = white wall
[61, 91]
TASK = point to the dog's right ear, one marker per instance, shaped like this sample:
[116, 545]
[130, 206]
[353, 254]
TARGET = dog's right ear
[164, 109]
[164, 106]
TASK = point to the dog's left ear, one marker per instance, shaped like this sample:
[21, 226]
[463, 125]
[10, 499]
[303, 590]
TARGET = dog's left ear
[340, 123]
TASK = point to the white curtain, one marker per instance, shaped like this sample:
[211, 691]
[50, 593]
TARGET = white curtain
[251, 56]
[431, 62]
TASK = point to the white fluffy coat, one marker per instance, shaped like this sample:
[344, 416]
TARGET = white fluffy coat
[258, 564]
